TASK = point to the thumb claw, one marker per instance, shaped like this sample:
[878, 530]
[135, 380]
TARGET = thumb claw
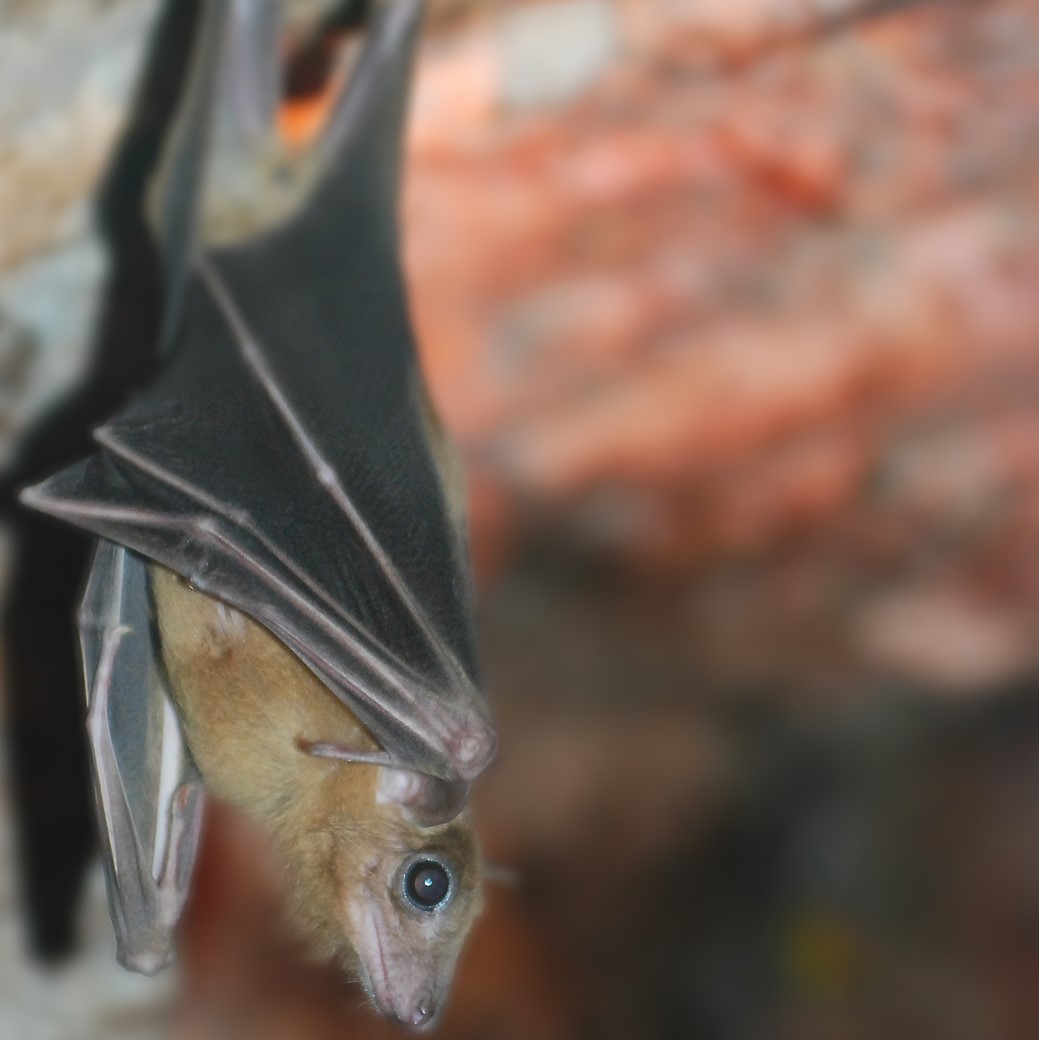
[185, 829]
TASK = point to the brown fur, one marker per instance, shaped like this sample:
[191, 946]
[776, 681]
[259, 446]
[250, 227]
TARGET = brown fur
[245, 701]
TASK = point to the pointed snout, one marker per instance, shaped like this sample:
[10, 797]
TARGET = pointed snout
[417, 1012]
[402, 989]
[423, 1013]
[406, 963]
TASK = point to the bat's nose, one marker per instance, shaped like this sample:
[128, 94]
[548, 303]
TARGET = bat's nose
[423, 1012]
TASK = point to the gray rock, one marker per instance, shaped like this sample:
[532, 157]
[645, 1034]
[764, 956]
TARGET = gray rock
[552, 50]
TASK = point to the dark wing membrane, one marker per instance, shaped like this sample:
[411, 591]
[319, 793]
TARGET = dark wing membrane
[281, 460]
[421, 719]
[176, 196]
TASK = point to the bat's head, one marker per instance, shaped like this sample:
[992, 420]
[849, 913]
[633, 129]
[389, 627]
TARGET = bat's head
[383, 889]
[408, 910]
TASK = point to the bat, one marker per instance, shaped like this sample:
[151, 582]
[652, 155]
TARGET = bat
[279, 611]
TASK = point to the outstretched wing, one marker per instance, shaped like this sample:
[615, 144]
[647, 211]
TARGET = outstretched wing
[283, 459]
[149, 796]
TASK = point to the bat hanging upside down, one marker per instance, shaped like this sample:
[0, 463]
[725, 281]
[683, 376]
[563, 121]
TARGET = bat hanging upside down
[280, 606]
[372, 882]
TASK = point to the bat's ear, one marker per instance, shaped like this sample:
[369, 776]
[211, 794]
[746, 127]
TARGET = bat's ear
[361, 145]
[426, 800]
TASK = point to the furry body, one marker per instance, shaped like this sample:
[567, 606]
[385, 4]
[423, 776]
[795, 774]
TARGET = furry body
[247, 706]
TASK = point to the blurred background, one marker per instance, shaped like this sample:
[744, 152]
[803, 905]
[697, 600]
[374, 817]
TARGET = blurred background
[733, 309]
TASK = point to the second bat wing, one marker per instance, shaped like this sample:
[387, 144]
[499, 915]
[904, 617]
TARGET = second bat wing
[148, 793]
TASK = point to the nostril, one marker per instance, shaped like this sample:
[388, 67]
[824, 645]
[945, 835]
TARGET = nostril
[424, 1012]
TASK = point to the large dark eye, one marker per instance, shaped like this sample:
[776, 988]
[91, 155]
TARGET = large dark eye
[427, 884]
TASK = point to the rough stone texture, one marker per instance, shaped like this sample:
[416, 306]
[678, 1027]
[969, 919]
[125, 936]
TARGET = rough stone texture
[552, 50]
[67, 68]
